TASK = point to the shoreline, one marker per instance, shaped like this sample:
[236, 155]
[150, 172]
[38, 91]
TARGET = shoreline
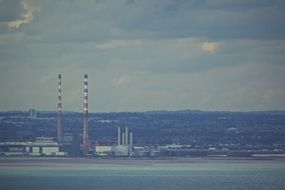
[87, 161]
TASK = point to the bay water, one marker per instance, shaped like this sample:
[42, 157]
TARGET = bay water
[143, 175]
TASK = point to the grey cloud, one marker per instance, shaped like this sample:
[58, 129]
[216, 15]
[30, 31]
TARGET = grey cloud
[98, 21]
[187, 56]
[3, 27]
[145, 55]
[10, 10]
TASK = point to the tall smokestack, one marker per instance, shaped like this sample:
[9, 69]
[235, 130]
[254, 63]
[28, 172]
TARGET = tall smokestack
[127, 137]
[119, 135]
[123, 139]
[59, 109]
[85, 120]
[131, 140]
[131, 147]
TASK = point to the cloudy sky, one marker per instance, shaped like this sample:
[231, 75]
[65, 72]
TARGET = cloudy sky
[143, 54]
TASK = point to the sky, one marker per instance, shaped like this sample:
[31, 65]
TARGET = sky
[141, 55]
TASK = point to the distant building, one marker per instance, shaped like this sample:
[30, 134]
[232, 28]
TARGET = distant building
[125, 143]
[121, 150]
[103, 150]
[43, 146]
[32, 113]
[71, 144]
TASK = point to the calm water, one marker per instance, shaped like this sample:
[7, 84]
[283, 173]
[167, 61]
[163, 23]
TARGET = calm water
[143, 175]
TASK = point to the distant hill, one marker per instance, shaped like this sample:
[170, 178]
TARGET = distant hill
[194, 127]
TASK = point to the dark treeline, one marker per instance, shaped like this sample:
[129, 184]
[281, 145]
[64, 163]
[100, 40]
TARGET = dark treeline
[196, 128]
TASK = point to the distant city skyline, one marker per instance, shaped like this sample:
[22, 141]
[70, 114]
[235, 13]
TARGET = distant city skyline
[212, 55]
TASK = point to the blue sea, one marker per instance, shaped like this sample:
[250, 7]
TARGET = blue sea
[185, 174]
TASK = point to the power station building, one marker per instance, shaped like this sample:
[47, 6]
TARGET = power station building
[43, 146]
[67, 143]
[125, 143]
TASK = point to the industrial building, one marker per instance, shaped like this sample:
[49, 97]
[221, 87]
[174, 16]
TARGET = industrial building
[103, 150]
[68, 144]
[46, 146]
[43, 146]
[125, 143]
[32, 113]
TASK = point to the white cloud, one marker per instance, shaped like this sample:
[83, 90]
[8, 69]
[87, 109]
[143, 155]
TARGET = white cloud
[47, 77]
[26, 17]
[209, 46]
[119, 44]
[124, 79]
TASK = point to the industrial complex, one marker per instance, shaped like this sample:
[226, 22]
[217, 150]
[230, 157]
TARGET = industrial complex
[65, 144]
[77, 142]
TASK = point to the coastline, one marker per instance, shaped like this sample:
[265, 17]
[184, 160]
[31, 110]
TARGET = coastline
[74, 161]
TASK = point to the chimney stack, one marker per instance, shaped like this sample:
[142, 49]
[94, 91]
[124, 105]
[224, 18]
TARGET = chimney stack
[85, 119]
[131, 140]
[119, 136]
[59, 110]
[127, 136]
[123, 139]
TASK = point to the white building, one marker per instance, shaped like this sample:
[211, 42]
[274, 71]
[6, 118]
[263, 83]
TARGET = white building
[103, 150]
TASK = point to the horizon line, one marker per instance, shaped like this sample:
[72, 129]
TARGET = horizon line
[179, 110]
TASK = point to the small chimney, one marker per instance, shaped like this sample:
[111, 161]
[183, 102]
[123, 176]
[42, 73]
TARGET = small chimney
[119, 135]
[131, 140]
[127, 136]
[123, 139]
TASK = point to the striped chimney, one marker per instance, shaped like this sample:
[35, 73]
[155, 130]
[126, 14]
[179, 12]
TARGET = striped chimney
[59, 110]
[85, 120]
